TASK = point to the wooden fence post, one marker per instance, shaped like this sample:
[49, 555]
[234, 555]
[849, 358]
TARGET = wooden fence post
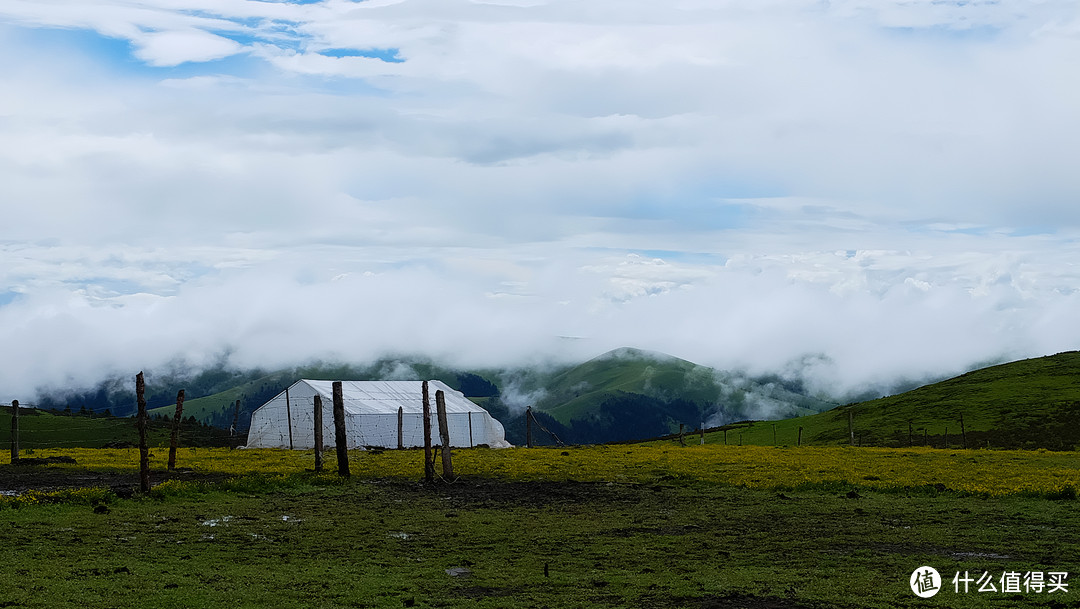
[703, 434]
[340, 437]
[14, 431]
[470, 430]
[774, 434]
[528, 427]
[429, 463]
[174, 439]
[800, 436]
[236, 420]
[682, 442]
[318, 433]
[444, 432]
[909, 434]
[963, 432]
[851, 426]
[400, 427]
[946, 446]
[725, 437]
[140, 422]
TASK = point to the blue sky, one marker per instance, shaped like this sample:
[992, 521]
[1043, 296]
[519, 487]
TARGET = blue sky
[884, 189]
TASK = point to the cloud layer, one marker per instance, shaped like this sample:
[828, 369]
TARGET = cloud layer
[865, 192]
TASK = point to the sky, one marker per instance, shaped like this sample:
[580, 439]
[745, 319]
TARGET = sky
[859, 193]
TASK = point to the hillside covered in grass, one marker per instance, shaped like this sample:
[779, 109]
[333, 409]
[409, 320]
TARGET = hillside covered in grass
[631, 394]
[1033, 403]
[42, 429]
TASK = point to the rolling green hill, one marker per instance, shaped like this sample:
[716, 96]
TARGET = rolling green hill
[623, 394]
[39, 429]
[630, 394]
[1033, 403]
[577, 393]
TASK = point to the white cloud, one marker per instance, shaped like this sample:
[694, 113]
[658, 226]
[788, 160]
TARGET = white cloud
[889, 184]
[177, 47]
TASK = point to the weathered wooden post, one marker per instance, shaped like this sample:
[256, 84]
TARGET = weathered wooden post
[14, 431]
[140, 422]
[851, 426]
[318, 433]
[774, 434]
[429, 463]
[725, 437]
[682, 442]
[528, 427]
[470, 430]
[236, 420]
[340, 438]
[174, 439]
[800, 436]
[946, 437]
[703, 434]
[963, 432]
[444, 433]
[400, 427]
[909, 434]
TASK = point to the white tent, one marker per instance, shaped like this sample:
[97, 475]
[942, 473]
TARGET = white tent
[371, 416]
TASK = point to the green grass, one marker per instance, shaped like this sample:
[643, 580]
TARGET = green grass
[39, 429]
[650, 534]
[1032, 403]
[555, 545]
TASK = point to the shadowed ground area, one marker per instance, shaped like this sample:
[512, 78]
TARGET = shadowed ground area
[484, 543]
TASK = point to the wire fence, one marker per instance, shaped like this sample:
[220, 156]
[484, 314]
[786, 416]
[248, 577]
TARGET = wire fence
[45, 429]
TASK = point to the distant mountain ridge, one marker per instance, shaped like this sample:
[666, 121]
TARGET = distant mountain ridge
[630, 394]
[620, 395]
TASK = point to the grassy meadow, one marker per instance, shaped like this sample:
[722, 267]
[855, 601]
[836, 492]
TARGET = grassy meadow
[1028, 404]
[599, 526]
[45, 430]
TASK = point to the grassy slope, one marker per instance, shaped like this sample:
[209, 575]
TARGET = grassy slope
[202, 407]
[1030, 403]
[39, 430]
[581, 389]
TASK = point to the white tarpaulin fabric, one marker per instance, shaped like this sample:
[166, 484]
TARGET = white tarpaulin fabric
[371, 416]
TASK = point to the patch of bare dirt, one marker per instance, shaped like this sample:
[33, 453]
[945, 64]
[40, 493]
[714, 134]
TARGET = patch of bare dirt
[17, 479]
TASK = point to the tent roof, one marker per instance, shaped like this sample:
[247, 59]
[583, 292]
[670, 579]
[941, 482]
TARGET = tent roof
[382, 397]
